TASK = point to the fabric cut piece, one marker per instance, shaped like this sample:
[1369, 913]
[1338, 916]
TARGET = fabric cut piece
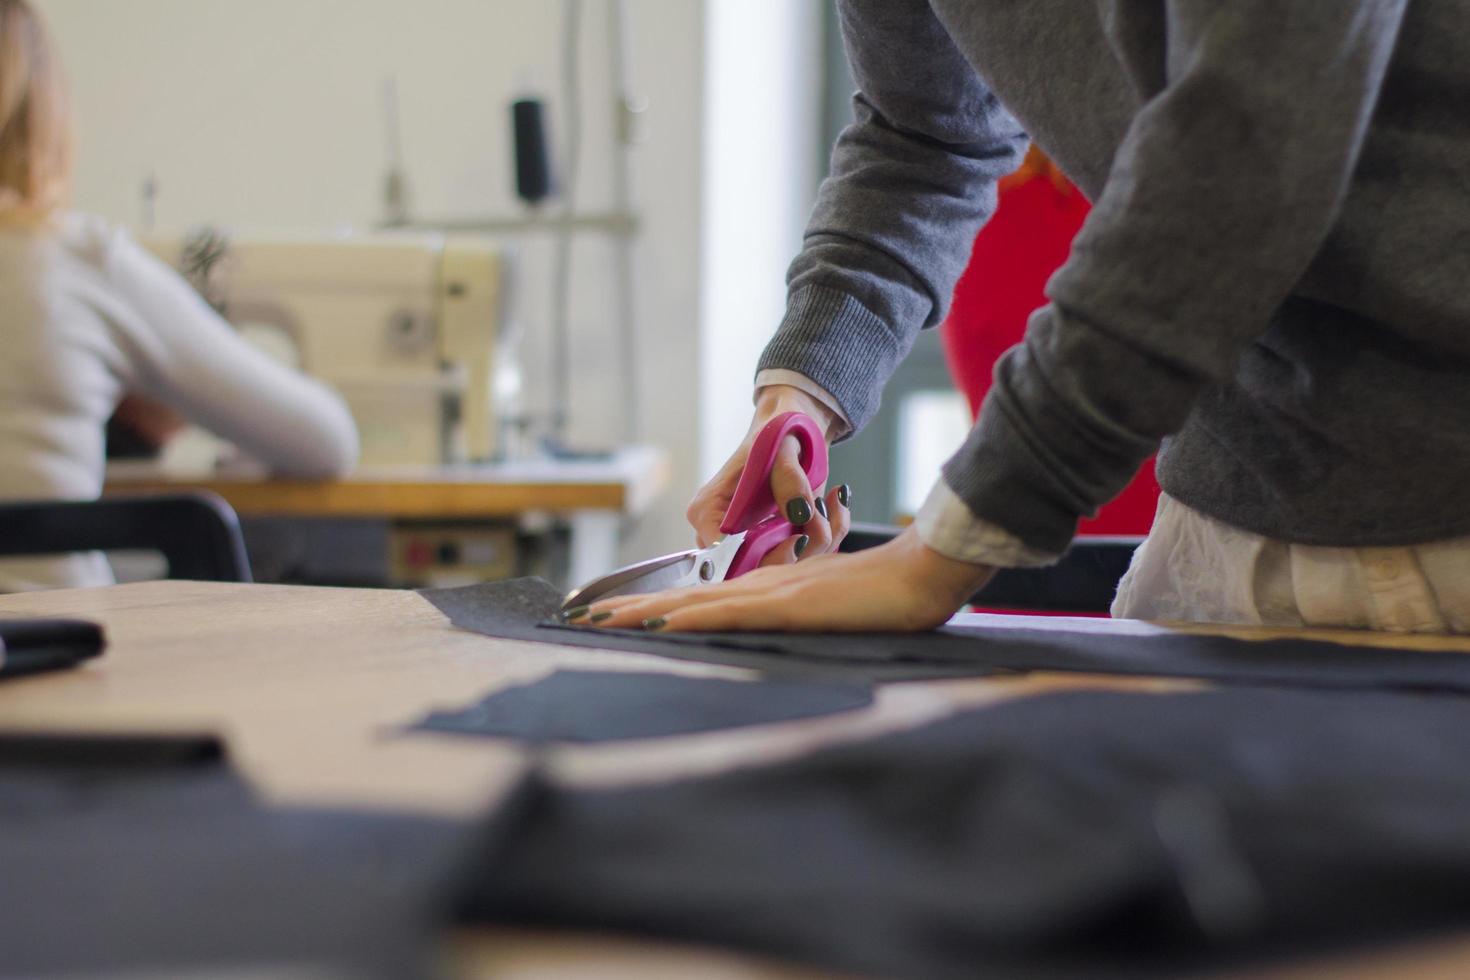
[524, 609]
[1080, 834]
[594, 706]
[147, 855]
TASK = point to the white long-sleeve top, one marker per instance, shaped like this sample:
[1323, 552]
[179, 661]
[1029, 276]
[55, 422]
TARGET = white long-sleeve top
[86, 316]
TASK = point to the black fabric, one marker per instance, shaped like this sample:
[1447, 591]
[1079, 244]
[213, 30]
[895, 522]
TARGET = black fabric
[523, 609]
[28, 646]
[148, 855]
[601, 706]
[1081, 834]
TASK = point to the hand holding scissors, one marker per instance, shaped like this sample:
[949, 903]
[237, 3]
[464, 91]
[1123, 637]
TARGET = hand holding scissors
[755, 526]
[902, 585]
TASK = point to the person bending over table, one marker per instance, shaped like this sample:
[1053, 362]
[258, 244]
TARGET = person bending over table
[87, 316]
[1272, 283]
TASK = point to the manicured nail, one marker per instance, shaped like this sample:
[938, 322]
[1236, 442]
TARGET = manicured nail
[599, 617]
[821, 507]
[844, 495]
[576, 612]
[801, 544]
[798, 511]
[657, 623]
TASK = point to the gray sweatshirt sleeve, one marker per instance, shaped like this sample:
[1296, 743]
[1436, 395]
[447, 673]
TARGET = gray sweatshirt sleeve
[911, 181]
[1224, 187]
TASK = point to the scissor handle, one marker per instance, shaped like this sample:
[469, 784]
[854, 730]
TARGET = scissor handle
[753, 507]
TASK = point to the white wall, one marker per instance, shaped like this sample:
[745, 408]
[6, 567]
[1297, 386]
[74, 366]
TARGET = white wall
[762, 112]
[267, 115]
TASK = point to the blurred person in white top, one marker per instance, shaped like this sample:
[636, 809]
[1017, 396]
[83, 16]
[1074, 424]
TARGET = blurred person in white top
[88, 317]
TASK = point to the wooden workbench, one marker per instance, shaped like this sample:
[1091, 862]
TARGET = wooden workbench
[594, 497]
[312, 688]
[627, 483]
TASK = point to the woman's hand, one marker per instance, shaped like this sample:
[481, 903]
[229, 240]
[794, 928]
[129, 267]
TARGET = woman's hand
[151, 422]
[901, 585]
[822, 518]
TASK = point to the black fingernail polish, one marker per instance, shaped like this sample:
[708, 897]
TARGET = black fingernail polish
[599, 617]
[657, 623]
[801, 544]
[798, 511]
[844, 495]
[576, 612]
[821, 507]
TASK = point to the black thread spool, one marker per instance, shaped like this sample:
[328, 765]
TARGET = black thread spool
[533, 163]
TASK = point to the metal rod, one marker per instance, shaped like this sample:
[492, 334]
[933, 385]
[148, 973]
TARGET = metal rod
[623, 113]
[621, 224]
[561, 273]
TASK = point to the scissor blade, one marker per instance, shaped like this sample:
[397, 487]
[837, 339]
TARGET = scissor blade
[702, 566]
[652, 575]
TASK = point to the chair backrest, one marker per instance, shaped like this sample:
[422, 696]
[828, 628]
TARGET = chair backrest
[1083, 581]
[197, 533]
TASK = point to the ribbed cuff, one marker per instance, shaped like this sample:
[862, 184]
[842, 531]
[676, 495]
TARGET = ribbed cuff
[1005, 479]
[840, 344]
[840, 427]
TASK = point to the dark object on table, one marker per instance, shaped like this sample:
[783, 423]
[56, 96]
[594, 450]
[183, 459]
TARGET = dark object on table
[28, 646]
[148, 856]
[606, 706]
[523, 609]
[197, 533]
[1081, 834]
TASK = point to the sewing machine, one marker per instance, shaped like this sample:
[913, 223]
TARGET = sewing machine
[403, 326]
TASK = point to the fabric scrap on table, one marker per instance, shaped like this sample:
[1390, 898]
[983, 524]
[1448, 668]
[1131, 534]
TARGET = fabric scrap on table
[605, 706]
[144, 856]
[525, 609]
[1096, 834]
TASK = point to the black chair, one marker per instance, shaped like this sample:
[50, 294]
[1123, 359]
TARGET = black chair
[1083, 581]
[197, 533]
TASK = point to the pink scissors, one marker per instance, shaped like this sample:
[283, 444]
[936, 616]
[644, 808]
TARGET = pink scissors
[754, 524]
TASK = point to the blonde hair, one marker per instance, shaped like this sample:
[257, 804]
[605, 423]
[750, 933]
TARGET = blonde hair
[35, 119]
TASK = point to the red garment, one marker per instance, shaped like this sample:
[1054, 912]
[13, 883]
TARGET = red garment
[1024, 242]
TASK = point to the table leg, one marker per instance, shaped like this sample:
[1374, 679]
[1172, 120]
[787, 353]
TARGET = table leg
[594, 544]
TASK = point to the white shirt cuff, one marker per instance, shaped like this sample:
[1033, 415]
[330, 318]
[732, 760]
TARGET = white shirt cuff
[795, 379]
[947, 525]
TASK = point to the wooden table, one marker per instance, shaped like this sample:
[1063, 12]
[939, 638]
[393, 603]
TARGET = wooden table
[312, 687]
[593, 496]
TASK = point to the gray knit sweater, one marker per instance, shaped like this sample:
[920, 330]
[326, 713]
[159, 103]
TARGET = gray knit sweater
[1275, 278]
